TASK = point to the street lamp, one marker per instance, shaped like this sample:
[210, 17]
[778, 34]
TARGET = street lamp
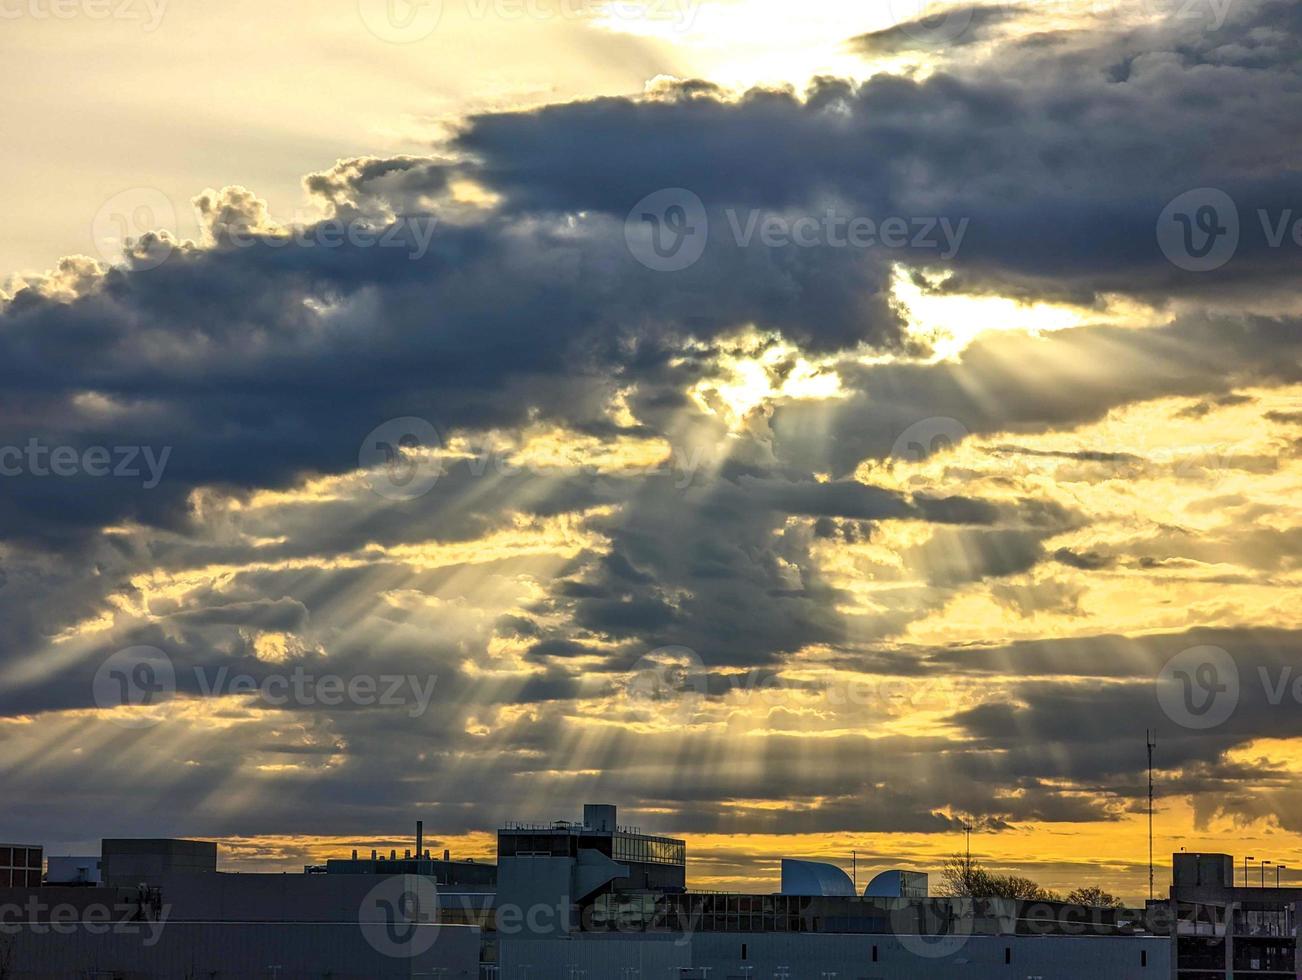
[1245, 870]
[1263, 873]
[1278, 869]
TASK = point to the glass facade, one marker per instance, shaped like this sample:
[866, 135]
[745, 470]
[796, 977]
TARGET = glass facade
[620, 846]
[641, 849]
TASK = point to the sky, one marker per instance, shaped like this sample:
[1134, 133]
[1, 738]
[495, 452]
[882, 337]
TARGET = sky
[814, 428]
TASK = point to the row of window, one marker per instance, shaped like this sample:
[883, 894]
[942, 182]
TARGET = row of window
[649, 850]
[20, 857]
[21, 878]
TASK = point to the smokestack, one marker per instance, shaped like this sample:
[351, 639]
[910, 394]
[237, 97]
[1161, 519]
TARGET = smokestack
[420, 837]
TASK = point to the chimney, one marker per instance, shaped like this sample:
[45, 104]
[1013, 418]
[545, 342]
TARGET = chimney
[373, 855]
[420, 837]
[407, 856]
[393, 854]
[354, 854]
[447, 855]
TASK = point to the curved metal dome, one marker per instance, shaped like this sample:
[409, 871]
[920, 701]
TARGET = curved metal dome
[814, 878]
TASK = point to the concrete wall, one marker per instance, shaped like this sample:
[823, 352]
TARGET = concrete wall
[264, 897]
[816, 957]
[533, 894]
[130, 861]
[601, 958]
[977, 957]
[231, 949]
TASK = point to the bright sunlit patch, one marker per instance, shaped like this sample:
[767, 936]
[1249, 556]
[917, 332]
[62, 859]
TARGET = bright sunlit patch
[760, 369]
[950, 322]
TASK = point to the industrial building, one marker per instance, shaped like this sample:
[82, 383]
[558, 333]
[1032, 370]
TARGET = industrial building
[592, 899]
[567, 909]
[1226, 930]
[165, 911]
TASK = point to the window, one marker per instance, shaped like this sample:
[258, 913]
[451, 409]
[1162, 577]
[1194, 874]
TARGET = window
[874, 954]
[1143, 957]
[1008, 954]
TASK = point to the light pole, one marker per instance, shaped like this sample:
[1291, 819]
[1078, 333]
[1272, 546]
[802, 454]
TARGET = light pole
[1263, 873]
[1245, 870]
[1278, 869]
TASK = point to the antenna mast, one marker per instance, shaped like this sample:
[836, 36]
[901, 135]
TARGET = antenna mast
[1150, 737]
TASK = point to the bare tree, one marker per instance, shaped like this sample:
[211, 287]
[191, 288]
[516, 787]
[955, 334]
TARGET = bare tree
[1094, 896]
[965, 878]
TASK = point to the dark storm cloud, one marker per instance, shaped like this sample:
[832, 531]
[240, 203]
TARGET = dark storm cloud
[1061, 166]
[259, 365]
[1061, 160]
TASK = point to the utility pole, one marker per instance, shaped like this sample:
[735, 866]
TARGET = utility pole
[1150, 737]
